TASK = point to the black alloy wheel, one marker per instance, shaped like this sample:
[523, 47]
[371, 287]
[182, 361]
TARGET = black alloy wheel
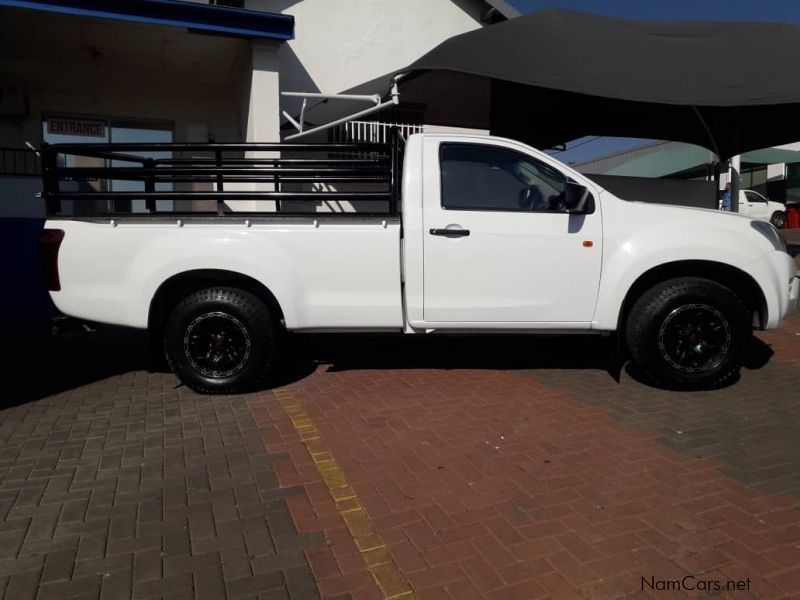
[694, 338]
[216, 344]
[221, 340]
[688, 333]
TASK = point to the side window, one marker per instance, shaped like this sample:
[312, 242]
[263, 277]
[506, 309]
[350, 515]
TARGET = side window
[478, 177]
[754, 197]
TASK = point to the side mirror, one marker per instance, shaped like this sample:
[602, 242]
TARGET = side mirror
[576, 198]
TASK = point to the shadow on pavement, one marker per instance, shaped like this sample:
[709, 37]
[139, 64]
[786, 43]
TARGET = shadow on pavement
[45, 364]
[440, 351]
[757, 357]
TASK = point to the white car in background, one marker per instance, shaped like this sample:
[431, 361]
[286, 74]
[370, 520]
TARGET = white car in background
[754, 205]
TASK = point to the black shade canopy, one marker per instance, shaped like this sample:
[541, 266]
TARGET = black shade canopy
[556, 75]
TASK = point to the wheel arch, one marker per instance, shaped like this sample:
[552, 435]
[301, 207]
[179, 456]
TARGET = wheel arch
[731, 277]
[179, 286]
[777, 211]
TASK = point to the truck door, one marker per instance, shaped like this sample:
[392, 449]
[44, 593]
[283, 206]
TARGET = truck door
[498, 245]
[744, 205]
[757, 206]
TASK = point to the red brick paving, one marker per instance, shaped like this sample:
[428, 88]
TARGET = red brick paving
[785, 342]
[130, 488]
[489, 484]
[546, 481]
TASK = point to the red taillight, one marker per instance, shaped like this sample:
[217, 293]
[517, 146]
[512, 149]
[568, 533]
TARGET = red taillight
[49, 243]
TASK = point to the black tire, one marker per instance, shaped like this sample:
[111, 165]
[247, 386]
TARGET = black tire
[688, 333]
[778, 219]
[221, 341]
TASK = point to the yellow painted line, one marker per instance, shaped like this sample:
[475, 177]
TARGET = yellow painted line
[377, 558]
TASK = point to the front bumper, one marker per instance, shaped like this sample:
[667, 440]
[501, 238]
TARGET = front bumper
[777, 275]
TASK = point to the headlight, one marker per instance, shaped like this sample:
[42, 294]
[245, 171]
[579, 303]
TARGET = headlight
[769, 232]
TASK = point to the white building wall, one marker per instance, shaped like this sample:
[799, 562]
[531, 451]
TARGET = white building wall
[340, 44]
[776, 171]
[261, 95]
[260, 102]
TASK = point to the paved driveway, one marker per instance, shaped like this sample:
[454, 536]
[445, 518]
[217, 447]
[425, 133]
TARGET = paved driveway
[397, 468]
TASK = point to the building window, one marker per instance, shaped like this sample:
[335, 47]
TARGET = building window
[91, 130]
[793, 182]
[754, 178]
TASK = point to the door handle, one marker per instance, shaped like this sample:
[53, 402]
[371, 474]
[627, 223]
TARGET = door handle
[450, 232]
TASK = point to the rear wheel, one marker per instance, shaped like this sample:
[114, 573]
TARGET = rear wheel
[220, 340]
[688, 333]
[778, 219]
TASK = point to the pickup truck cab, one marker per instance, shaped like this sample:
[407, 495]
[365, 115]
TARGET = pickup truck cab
[753, 204]
[465, 233]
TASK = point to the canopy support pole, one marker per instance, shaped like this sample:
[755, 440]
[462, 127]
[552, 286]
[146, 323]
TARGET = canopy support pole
[708, 132]
[716, 152]
[736, 182]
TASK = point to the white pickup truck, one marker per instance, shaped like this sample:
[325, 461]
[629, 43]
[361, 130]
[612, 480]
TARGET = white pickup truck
[479, 234]
[753, 204]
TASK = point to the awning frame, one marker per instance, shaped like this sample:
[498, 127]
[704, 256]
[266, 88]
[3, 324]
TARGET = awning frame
[378, 105]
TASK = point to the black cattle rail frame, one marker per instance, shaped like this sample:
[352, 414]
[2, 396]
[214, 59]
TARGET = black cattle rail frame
[219, 165]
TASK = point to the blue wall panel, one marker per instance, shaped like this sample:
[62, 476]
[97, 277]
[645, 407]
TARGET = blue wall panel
[23, 295]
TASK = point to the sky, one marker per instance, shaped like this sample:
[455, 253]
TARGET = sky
[782, 11]
[739, 10]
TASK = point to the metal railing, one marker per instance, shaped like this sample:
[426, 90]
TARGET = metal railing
[372, 131]
[285, 177]
[19, 162]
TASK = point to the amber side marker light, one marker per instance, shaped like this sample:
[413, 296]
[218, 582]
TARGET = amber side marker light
[588, 244]
[49, 244]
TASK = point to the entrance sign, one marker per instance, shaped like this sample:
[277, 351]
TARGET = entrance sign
[80, 127]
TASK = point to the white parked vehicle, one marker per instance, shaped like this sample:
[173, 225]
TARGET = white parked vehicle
[468, 234]
[753, 204]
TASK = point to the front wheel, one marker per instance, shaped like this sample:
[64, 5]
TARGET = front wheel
[688, 333]
[220, 340]
[778, 219]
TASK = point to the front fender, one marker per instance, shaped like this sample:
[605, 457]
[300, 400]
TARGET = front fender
[639, 238]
